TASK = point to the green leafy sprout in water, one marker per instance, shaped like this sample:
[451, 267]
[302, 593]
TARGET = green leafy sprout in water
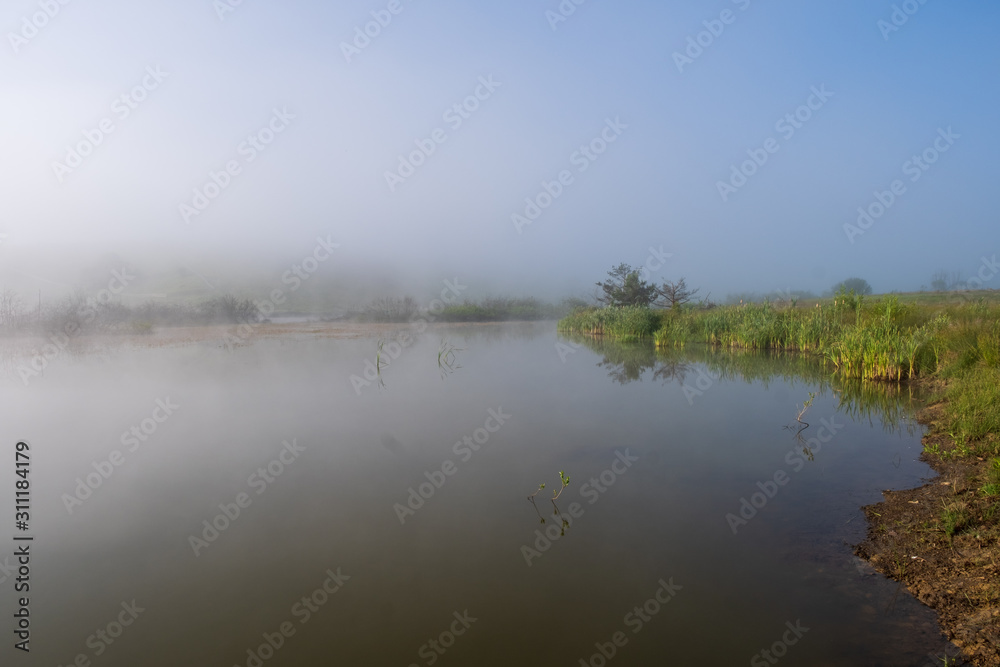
[564, 478]
[540, 487]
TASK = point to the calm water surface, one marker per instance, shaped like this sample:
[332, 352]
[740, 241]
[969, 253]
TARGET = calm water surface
[659, 450]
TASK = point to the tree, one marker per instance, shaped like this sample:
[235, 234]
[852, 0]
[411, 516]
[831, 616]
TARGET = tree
[860, 286]
[229, 308]
[626, 288]
[675, 294]
[11, 309]
[390, 309]
[939, 281]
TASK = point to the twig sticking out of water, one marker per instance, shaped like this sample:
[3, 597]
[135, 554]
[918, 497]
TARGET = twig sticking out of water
[564, 478]
[803, 410]
[565, 482]
[379, 363]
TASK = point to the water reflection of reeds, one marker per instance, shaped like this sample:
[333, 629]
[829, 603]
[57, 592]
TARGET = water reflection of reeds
[891, 404]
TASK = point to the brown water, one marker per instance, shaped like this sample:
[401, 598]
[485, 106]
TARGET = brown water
[654, 466]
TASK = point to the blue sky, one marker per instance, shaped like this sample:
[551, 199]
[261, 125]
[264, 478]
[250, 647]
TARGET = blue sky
[655, 186]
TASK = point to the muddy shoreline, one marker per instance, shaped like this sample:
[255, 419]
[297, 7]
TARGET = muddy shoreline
[957, 575]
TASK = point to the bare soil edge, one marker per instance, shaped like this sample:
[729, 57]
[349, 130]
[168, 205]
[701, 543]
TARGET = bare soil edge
[958, 577]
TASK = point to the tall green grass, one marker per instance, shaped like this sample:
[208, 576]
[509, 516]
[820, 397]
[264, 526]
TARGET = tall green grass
[879, 340]
[624, 323]
[765, 327]
[973, 414]
[673, 333]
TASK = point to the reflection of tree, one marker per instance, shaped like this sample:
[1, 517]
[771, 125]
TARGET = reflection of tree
[673, 368]
[667, 365]
[625, 371]
[892, 404]
[625, 362]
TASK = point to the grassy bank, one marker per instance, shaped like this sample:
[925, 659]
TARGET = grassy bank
[879, 339]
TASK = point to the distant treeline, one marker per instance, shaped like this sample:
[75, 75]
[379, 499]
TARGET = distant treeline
[82, 313]
[490, 309]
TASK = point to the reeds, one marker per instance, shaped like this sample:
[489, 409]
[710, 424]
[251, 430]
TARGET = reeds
[675, 332]
[868, 339]
[624, 323]
[764, 327]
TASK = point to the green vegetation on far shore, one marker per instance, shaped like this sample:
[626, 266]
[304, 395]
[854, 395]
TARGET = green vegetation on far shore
[106, 314]
[490, 309]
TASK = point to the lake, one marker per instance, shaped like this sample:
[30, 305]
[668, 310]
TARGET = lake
[217, 504]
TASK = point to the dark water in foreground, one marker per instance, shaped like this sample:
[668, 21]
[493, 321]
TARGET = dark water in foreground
[658, 455]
